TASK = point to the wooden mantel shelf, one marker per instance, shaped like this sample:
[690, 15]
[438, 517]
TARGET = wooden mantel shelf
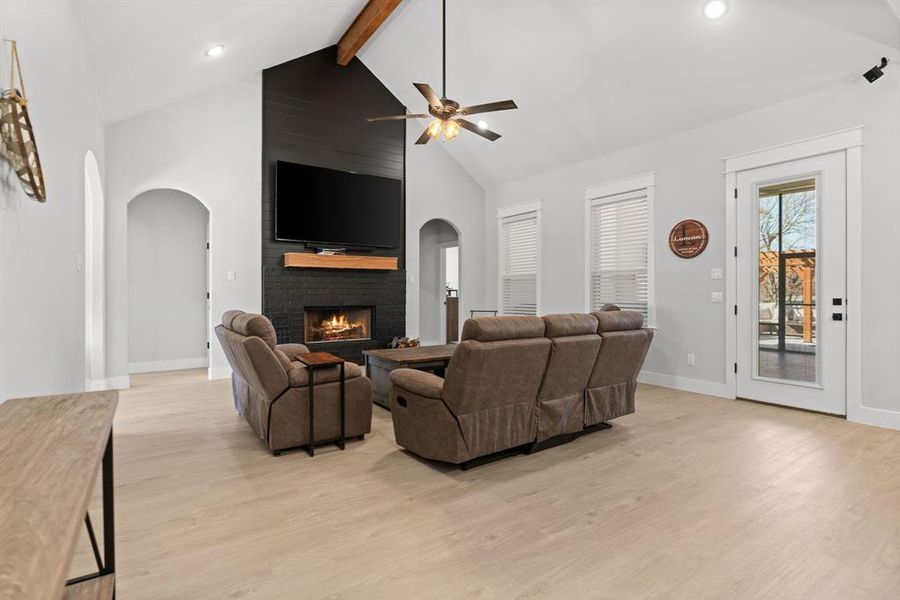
[308, 260]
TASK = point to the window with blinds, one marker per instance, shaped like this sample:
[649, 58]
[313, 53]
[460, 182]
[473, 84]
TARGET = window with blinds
[519, 251]
[619, 252]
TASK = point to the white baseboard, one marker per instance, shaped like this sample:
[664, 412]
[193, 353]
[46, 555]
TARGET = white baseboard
[219, 373]
[95, 385]
[860, 414]
[698, 386]
[878, 417]
[177, 364]
[121, 382]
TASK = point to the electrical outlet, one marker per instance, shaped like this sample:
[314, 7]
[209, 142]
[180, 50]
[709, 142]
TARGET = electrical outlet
[691, 360]
[715, 297]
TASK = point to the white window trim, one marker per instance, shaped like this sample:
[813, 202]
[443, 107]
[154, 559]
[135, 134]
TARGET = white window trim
[606, 192]
[512, 211]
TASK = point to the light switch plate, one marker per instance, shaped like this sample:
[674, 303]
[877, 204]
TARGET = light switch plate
[715, 297]
[715, 273]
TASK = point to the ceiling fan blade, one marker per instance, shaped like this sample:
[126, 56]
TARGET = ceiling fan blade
[429, 94]
[395, 118]
[485, 133]
[489, 107]
[423, 139]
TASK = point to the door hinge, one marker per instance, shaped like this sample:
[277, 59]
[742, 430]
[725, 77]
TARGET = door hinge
[207, 245]
[735, 309]
[735, 193]
[207, 345]
[207, 295]
[735, 367]
[735, 251]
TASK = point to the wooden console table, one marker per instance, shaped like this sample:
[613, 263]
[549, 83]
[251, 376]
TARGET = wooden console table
[380, 363]
[50, 451]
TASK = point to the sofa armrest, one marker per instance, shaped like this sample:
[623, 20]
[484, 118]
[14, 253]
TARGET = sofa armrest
[422, 383]
[292, 350]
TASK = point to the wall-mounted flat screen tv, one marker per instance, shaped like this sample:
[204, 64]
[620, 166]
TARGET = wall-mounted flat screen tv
[328, 208]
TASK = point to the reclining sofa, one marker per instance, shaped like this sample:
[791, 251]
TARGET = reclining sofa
[271, 388]
[521, 383]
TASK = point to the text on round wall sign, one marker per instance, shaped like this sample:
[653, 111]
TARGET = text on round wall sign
[688, 238]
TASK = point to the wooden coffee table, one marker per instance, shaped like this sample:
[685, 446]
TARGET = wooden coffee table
[380, 363]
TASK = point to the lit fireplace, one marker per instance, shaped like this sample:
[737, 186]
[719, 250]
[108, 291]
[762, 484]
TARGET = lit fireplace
[337, 324]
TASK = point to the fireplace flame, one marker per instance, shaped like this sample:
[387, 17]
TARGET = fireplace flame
[337, 325]
[340, 327]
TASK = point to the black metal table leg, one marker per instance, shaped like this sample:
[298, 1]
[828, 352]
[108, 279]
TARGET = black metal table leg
[109, 515]
[312, 415]
[109, 526]
[341, 440]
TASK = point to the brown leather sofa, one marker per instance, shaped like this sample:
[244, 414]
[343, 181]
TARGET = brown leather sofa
[271, 388]
[521, 383]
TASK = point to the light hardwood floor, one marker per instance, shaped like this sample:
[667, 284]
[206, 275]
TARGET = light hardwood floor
[691, 497]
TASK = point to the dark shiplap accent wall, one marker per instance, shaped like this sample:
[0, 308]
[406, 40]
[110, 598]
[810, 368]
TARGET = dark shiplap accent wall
[314, 113]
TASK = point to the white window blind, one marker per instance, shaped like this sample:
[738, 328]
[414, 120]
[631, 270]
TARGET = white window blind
[519, 264]
[620, 238]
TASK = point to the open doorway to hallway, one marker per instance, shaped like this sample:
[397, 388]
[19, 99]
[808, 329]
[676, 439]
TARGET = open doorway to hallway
[439, 282]
[450, 279]
[168, 282]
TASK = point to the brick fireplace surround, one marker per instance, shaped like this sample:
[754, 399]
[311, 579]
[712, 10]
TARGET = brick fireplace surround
[314, 113]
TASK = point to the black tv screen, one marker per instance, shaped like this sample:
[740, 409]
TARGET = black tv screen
[328, 208]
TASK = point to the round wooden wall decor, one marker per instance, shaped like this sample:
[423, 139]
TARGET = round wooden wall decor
[689, 238]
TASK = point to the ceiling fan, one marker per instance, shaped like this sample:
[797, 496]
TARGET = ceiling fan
[446, 112]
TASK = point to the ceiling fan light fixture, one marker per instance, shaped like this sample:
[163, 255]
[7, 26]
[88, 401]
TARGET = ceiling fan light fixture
[451, 129]
[435, 128]
[216, 50]
[449, 116]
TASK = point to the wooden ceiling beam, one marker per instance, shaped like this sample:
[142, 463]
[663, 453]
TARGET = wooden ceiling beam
[367, 22]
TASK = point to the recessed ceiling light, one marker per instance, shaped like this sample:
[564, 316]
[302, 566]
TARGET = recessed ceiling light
[216, 50]
[715, 9]
[482, 124]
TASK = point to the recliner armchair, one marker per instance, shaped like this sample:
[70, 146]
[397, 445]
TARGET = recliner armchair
[271, 391]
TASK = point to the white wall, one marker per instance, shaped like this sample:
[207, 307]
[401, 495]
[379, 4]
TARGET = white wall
[41, 288]
[431, 288]
[167, 315]
[438, 188]
[208, 146]
[689, 184]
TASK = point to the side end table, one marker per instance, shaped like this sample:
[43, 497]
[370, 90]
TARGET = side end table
[315, 361]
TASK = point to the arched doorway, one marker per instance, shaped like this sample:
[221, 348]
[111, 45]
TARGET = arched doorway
[94, 276]
[168, 282]
[439, 282]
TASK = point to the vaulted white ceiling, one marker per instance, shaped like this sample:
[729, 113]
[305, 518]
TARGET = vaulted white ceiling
[588, 76]
[149, 53]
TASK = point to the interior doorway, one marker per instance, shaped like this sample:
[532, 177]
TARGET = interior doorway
[449, 320]
[791, 276]
[440, 274]
[168, 282]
